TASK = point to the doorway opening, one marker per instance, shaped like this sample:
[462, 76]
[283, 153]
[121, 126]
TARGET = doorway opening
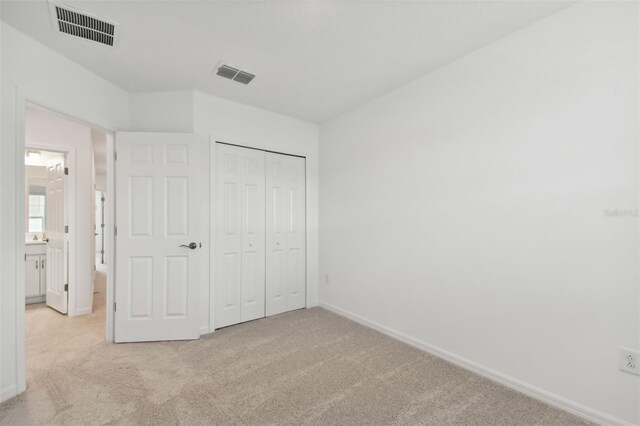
[66, 252]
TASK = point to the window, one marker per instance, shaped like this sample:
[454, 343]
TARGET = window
[37, 208]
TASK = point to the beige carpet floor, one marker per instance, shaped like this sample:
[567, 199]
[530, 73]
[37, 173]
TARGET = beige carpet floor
[303, 367]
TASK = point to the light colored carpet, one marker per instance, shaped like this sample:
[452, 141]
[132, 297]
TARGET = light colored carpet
[308, 366]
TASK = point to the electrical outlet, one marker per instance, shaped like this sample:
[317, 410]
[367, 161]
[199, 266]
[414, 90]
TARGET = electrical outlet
[628, 361]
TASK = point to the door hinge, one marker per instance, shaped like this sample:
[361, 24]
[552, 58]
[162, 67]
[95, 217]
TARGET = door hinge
[66, 171]
[25, 257]
[66, 287]
[115, 307]
[115, 230]
[115, 156]
[66, 229]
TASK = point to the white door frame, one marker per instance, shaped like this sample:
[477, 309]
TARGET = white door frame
[20, 108]
[212, 220]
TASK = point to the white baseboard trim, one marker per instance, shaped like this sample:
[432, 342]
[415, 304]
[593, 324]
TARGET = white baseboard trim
[204, 329]
[313, 304]
[80, 312]
[552, 399]
[35, 299]
[8, 392]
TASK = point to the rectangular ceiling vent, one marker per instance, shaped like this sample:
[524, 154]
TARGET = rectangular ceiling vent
[233, 73]
[71, 21]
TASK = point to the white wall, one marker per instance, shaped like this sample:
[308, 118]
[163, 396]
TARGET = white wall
[466, 210]
[35, 172]
[170, 111]
[8, 387]
[44, 77]
[99, 141]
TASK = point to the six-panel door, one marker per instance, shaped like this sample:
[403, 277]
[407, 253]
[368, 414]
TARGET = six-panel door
[57, 248]
[286, 233]
[158, 180]
[240, 235]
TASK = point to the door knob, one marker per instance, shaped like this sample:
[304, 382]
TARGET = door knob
[250, 244]
[191, 246]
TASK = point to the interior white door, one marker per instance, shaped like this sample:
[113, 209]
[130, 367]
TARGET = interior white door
[240, 234]
[158, 240]
[57, 262]
[286, 233]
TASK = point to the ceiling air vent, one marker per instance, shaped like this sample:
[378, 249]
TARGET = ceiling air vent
[244, 77]
[227, 71]
[233, 73]
[71, 21]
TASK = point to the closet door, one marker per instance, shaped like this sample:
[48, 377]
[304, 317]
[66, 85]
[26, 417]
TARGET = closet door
[240, 234]
[286, 235]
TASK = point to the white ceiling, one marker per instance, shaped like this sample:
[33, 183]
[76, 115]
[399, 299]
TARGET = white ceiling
[313, 59]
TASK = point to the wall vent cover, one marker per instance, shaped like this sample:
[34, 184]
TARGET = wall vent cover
[233, 73]
[71, 21]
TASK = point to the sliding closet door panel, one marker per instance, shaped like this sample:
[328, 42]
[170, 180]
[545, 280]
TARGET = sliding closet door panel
[239, 232]
[228, 268]
[296, 234]
[286, 237]
[276, 239]
[253, 238]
